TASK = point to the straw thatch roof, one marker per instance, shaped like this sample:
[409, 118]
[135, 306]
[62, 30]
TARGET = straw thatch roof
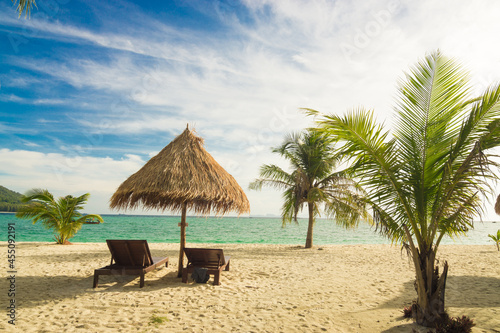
[497, 205]
[182, 173]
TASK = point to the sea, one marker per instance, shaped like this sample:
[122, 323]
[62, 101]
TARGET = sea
[223, 230]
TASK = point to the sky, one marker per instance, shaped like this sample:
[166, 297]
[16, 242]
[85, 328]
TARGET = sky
[90, 91]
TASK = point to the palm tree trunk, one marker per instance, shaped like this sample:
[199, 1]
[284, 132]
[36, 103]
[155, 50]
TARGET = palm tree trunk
[183, 240]
[309, 239]
[429, 309]
[430, 287]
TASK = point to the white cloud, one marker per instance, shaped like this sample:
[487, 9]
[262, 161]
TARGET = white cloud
[66, 174]
[48, 101]
[69, 173]
[241, 89]
[30, 144]
[11, 98]
[41, 101]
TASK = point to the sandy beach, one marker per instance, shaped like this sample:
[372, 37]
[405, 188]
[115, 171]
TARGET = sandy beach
[270, 288]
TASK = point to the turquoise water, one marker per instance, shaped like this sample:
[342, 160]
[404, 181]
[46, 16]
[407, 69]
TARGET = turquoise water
[229, 230]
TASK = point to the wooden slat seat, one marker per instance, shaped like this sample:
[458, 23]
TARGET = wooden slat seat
[129, 257]
[211, 259]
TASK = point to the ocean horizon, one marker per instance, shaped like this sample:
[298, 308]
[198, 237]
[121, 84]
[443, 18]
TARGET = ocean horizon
[224, 230]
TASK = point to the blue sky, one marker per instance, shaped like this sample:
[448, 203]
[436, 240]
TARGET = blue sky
[89, 91]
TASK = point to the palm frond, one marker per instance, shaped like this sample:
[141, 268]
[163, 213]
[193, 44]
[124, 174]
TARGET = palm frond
[468, 169]
[63, 215]
[428, 175]
[273, 176]
[312, 158]
[24, 6]
[374, 160]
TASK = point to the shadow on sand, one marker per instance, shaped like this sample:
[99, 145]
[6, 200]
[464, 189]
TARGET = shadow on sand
[461, 292]
[59, 288]
[32, 291]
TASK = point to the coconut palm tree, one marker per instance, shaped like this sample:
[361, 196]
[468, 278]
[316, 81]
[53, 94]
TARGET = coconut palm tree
[311, 181]
[426, 179]
[24, 6]
[61, 215]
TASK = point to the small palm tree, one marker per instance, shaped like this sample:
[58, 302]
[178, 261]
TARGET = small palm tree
[425, 180]
[496, 239]
[62, 215]
[312, 182]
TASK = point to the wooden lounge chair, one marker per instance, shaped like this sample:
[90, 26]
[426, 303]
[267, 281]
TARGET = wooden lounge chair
[131, 257]
[211, 259]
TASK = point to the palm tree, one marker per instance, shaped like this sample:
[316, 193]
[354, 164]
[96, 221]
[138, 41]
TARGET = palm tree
[311, 181]
[24, 6]
[425, 180]
[496, 239]
[61, 215]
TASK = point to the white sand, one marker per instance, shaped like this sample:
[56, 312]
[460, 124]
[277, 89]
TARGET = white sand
[270, 288]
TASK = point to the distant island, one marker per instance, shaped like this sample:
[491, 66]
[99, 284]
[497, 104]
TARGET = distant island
[10, 201]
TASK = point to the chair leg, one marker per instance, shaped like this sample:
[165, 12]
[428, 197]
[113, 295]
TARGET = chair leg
[142, 281]
[184, 275]
[96, 279]
[227, 266]
[217, 279]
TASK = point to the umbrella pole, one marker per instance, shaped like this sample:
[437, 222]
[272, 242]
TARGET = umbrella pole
[183, 239]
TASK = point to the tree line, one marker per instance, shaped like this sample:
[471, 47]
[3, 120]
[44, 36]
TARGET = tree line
[10, 201]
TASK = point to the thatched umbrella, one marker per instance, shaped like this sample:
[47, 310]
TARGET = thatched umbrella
[182, 176]
[497, 205]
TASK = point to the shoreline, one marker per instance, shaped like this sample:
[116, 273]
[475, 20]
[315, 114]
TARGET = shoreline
[215, 244]
[227, 231]
[269, 288]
